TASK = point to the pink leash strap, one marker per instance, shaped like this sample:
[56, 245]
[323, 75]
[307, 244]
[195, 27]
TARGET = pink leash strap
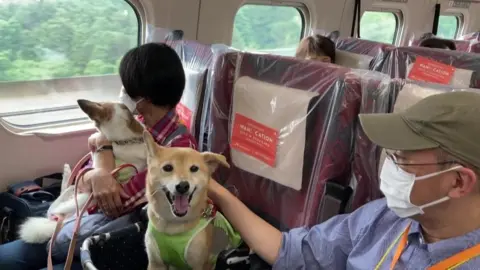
[78, 167]
[79, 213]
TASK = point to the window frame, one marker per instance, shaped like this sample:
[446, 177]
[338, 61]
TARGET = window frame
[300, 7]
[138, 10]
[399, 21]
[460, 21]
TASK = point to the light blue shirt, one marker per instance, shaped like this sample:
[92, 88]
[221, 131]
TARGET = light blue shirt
[360, 239]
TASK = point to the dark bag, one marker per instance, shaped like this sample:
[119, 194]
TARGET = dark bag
[23, 200]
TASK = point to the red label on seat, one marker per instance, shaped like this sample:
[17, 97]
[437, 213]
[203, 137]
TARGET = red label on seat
[427, 70]
[254, 139]
[184, 114]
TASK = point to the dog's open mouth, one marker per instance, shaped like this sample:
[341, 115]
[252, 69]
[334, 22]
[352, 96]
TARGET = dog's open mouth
[180, 203]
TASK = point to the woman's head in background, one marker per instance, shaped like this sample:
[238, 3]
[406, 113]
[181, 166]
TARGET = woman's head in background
[317, 47]
[437, 43]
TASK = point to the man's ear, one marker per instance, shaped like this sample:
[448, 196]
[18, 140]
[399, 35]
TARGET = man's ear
[465, 183]
[213, 160]
[152, 147]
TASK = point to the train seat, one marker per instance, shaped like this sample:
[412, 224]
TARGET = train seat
[310, 111]
[364, 47]
[471, 36]
[461, 45]
[378, 97]
[459, 69]
[196, 59]
[475, 47]
[474, 39]
[353, 60]
[203, 117]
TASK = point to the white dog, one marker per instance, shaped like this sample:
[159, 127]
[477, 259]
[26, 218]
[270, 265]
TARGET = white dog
[118, 125]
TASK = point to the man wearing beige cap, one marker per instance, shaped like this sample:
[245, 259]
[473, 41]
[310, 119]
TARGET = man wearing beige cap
[430, 218]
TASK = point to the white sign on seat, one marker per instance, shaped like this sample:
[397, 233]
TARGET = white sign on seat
[268, 129]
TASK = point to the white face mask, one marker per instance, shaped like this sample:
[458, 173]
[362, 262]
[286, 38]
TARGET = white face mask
[396, 184]
[128, 101]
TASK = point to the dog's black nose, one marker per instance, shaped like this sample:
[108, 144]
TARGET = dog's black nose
[182, 187]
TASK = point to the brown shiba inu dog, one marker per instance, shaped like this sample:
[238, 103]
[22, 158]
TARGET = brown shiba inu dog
[179, 233]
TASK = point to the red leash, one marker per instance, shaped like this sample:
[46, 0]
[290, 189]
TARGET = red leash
[79, 173]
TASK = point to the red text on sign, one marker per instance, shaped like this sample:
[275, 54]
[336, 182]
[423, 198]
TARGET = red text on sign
[254, 139]
[427, 70]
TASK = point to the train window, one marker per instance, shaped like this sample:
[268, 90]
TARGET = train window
[379, 26]
[268, 29]
[448, 26]
[54, 52]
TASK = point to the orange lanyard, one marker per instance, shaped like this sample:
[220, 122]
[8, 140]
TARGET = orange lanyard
[449, 263]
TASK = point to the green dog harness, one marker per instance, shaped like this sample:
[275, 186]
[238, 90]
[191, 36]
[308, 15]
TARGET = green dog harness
[173, 248]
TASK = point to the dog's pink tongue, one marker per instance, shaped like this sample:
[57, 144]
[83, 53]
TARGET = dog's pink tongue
[181, 204]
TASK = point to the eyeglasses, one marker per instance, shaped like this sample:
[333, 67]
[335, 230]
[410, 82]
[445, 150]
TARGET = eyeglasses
[394, 158]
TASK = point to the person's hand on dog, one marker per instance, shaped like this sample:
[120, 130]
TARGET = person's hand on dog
[213, 188]
[97, 140]
[107, 192]
[216, 192]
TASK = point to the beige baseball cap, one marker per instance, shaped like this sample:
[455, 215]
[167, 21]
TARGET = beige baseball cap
[450, 121]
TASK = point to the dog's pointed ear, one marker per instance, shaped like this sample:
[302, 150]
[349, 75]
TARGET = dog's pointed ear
[152, 146]
[92, 109]
[333, 36]
[213, 160]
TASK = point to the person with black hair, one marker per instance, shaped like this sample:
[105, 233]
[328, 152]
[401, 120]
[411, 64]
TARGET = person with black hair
[437, 43]
[153, 75]
[317, 47]
[153, 80]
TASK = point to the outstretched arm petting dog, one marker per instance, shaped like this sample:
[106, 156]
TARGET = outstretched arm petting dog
[265, 240]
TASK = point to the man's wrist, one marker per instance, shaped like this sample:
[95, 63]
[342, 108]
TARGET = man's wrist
[219, 194]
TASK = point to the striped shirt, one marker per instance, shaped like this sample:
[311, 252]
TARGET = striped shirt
[160, 131]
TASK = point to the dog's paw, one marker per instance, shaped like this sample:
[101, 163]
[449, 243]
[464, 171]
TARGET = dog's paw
[93, 139]
[94, 136]
[67, 172]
